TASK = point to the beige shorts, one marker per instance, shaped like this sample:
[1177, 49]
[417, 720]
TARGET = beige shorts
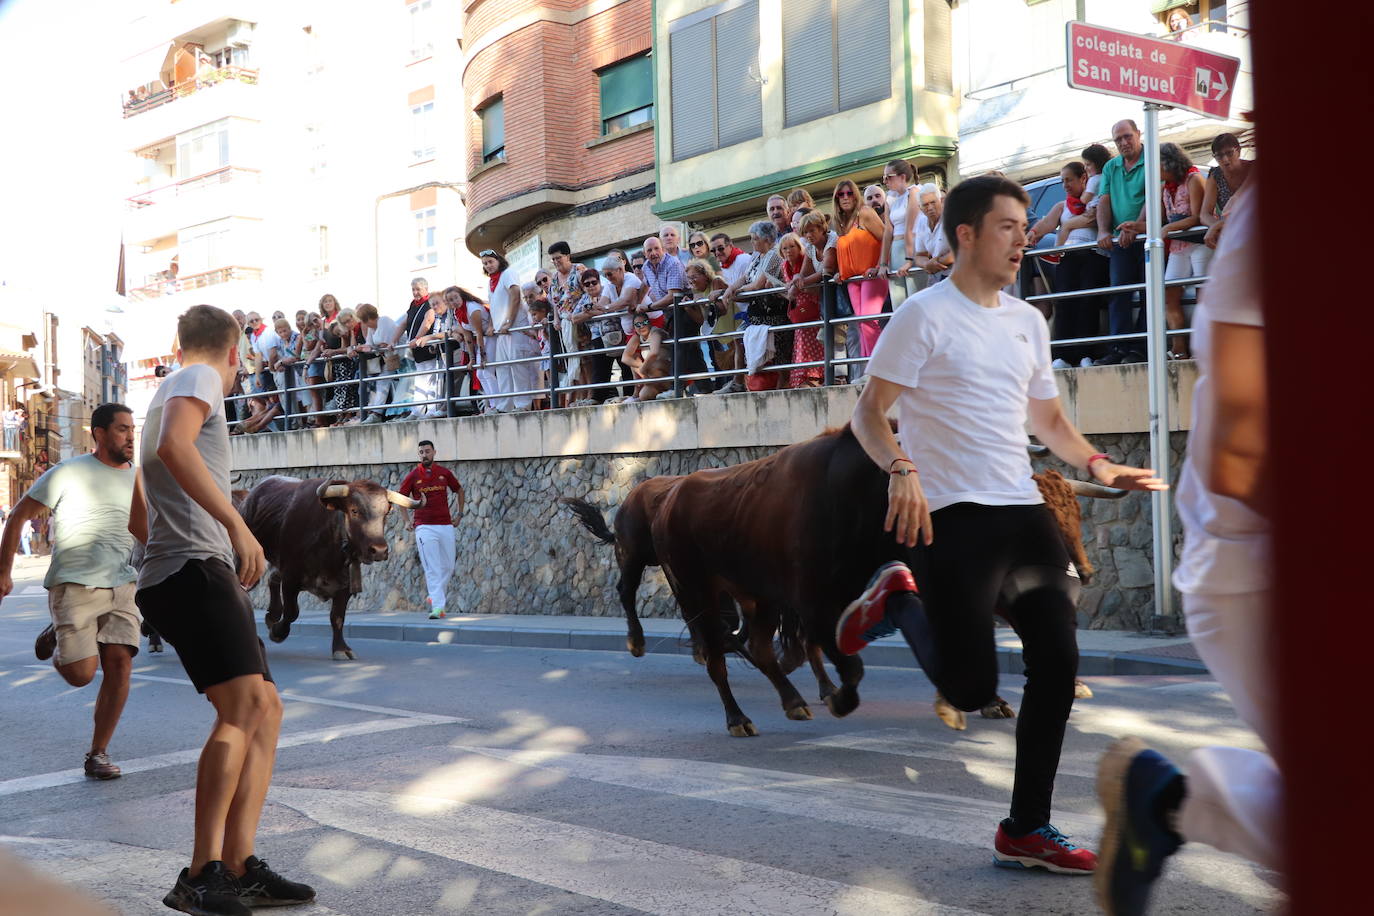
[85, 616]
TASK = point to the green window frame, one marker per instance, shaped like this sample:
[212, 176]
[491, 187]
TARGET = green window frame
[493, 117]
[627, 93]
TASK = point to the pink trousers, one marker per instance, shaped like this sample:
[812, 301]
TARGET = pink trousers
[867, 297]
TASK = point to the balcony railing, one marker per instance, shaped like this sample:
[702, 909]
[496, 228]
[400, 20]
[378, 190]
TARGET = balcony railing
[163, 286]
[193, 185]
[189, 87]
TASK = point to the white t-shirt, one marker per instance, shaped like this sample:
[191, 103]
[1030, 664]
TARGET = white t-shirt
[264, 344]
[737, 268]
[968, 373]
[1094, 183]
[932, 241]
[500, 301]
[631, 282]
[383, 333]
[1225, 543]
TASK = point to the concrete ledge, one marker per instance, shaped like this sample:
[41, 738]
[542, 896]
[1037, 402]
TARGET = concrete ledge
[1105, 399]
[666, 637]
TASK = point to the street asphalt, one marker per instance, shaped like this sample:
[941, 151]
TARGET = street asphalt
[459, 778]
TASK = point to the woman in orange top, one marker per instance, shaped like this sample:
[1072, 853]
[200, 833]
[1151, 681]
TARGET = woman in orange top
[860, 248]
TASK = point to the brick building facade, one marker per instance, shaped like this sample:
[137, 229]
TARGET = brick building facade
[553, 150]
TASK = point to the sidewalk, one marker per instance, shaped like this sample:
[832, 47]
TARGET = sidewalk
[1101, 652]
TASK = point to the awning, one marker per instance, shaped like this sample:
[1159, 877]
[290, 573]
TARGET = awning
[17, 364]
[147, 66]
[1161, 6]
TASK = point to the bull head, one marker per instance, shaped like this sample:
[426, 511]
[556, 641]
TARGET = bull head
[364, 506]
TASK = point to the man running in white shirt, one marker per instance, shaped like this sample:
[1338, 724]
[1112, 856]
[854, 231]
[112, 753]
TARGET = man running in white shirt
[966, 365]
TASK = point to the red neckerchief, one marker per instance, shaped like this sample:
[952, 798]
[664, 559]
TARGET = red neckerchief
[734, 253]
[421, 301]
[258, 332]
[1171, 187]
[493, 280]
[1074, 205]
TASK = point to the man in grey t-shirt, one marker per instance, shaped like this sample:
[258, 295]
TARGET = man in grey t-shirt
[90, 582]
[192, 590]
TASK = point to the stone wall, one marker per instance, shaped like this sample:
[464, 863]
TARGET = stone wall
[521, 552]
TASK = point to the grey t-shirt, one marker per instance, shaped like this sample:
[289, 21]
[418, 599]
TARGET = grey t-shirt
[90, 505]
[178, 528]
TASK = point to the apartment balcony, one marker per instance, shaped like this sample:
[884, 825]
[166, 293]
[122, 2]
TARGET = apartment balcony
[209, 96]
[160, 285]
[159, 212]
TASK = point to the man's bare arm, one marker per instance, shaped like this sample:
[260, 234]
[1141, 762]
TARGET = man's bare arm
[138, 511]
[1050, 426]
[1239, 465]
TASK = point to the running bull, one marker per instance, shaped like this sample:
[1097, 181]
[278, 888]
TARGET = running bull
[317, 534]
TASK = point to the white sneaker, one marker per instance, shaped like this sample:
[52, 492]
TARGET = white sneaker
[1060, 364]
[1086, 363]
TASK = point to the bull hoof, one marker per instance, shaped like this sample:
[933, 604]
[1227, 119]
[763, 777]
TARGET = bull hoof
[842, 702]
[636, 646]
[344, 655]
[998, 709]
[279, 632]
[800, 713]
[744, 729]
[952, 717]
[1081, 691]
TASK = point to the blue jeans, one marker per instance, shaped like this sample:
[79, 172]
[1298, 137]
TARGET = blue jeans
[1127, 266]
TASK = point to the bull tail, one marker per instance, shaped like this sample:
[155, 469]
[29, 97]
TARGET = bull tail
[590, 517]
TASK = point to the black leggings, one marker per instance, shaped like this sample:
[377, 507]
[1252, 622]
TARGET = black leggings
[961, 577]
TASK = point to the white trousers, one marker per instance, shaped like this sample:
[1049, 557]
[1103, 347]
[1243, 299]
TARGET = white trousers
[436, 545]
[521, 377]
[1235, 796]
[427, 387]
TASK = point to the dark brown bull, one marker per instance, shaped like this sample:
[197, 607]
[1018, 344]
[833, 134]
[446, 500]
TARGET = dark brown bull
[792, 537]
[316, 535]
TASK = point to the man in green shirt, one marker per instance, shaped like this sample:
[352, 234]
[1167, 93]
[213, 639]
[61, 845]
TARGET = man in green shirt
[1118, 213]
[90, 582]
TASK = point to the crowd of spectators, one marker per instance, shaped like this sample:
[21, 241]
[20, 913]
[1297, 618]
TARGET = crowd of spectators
[607, 331]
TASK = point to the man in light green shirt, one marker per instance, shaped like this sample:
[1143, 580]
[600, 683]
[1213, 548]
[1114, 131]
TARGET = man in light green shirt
[90, 582]
[1119, 200]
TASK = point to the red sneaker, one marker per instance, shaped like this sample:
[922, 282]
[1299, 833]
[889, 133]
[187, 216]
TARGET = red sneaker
[866, 611]
[1044, 848]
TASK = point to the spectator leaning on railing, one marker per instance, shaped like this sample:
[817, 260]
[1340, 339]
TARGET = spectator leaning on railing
[1182, 202]
[860, 232]
[606, 332]
[802, 277]
[1118, 206]
[1078, 316]
[933, 253]
[1223, 180]
[339, 340]
[899, 243]
[666, 280]
[509, 312]
[734, 263]
[766, 310]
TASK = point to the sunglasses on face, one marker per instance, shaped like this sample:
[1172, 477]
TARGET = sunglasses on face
[844, 193]
[641, 324]
[697, 243]
[590, 283]
[719, 249]
[543, 281]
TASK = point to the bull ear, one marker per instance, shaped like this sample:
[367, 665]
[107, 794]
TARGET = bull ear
[332, 494]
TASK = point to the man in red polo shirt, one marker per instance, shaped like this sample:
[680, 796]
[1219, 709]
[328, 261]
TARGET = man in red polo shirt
[434, 538]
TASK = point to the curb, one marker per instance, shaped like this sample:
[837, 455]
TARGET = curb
[888, 653]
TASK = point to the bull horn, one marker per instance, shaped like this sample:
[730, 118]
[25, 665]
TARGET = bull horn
[1038, 450]
[235, 478]
[333, 491]
[1096, 490]
[400, 499]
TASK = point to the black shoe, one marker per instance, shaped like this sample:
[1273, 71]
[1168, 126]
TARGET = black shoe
[45, 644]
[213, 892]
[261, 886]
[1113, 358]
[1133, 356]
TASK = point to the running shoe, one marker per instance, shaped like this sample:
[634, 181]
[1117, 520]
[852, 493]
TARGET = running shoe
[100, 766]
[45, 644]
[213, 892]
[261, 886]
[1138, 787]
[436, 614]
[1044, 848]
[852, 632]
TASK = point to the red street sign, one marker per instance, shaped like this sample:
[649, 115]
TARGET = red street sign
[1150, 69]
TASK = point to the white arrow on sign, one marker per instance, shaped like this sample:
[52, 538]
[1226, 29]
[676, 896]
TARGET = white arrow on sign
[1225, 86]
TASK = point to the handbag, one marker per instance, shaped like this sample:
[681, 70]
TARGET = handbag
[843, 307]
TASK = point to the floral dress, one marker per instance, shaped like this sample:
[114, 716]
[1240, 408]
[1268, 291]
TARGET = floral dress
[806, 343]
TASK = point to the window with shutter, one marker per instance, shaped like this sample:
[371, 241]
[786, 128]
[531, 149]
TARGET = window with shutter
[627, 94]
[865, 68]
[808, 61]
[713, 68]
[739, 96]
[939, 69]
[494, 130]
[692, 87]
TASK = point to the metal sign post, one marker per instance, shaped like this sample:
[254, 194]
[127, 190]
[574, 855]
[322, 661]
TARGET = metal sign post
[1162, 74]
[1157, 352]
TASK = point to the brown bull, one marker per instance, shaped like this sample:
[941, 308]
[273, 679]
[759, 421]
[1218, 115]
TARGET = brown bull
[791, 537]
[316, 535]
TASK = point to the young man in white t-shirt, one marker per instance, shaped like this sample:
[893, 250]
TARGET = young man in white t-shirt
[966, 365]
[1230, 798]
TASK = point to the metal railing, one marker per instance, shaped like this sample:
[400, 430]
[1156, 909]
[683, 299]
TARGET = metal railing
[189, 86]
[456, 364]
[192, 185]
[167, 285]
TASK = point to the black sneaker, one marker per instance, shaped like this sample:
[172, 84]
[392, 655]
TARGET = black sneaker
[213, 892]
[261, 886]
